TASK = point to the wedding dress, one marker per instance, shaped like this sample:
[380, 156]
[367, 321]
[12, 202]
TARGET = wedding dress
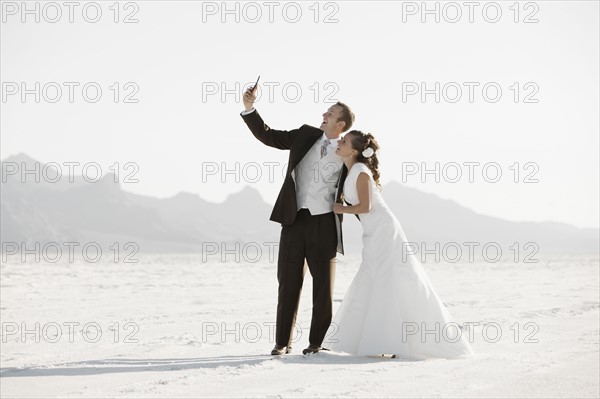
[391, 306]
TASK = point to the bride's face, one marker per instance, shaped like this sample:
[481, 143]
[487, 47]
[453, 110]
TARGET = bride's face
[344, 147]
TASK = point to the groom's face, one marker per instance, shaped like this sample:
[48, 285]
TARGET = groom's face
[331, 122]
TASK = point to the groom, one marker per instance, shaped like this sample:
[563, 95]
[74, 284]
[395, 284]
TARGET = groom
[310, 230]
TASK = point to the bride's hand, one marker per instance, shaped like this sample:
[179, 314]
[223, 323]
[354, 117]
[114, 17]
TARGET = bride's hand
[338, 208]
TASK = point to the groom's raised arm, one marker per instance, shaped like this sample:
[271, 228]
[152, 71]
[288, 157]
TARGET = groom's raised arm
[280, 139]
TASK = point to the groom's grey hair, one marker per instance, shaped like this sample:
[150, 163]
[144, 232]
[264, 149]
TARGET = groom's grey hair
[346, 116]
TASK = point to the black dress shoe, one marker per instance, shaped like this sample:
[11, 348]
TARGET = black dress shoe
[313, 349]
[280, 350]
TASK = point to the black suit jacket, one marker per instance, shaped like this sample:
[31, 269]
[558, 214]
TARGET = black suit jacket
[298, 142]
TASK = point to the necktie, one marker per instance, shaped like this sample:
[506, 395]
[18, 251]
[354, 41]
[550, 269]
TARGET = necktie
[324, 147]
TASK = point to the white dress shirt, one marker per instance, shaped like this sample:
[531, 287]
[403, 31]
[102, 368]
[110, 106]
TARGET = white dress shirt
[316, 177]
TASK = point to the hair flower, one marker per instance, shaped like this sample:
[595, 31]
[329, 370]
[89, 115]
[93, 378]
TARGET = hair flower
[367, 153]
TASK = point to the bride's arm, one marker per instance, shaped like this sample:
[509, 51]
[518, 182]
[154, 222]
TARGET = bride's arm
[363, 188]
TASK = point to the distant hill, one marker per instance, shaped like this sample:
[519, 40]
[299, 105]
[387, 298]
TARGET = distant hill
[102, 212]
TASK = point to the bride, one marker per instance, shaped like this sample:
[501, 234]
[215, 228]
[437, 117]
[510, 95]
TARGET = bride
[391, 307]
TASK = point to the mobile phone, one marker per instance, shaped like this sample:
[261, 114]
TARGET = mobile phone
[254, 87]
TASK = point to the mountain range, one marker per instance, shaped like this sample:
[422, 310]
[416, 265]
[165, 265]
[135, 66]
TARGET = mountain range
[102, 212]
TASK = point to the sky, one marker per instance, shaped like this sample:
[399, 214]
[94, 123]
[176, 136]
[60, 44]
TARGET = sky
[516, 86]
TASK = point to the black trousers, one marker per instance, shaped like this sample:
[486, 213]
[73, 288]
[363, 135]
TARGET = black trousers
[314, 239]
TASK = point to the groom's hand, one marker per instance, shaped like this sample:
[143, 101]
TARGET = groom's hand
[338, 208]
[250, 97]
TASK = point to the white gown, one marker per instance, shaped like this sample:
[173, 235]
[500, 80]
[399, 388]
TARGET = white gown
[391, 301]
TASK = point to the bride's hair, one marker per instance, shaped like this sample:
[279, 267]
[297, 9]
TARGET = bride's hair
[361, 141]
